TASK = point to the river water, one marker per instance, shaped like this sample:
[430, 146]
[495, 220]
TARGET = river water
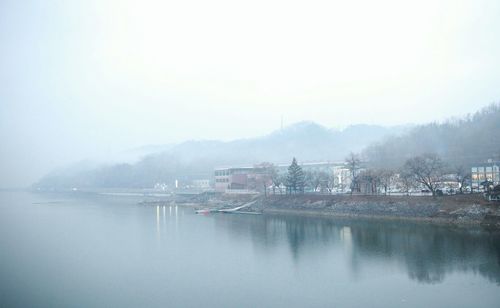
[66, 251]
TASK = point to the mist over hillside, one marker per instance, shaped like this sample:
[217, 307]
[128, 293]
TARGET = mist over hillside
[308, 141]
[463, 141]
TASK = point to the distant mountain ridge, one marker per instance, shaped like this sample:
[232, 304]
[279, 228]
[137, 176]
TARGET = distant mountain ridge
[308, 141]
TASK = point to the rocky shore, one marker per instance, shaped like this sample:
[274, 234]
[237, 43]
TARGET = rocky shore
[457, 210]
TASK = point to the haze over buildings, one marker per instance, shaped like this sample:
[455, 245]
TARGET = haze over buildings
[95, 78]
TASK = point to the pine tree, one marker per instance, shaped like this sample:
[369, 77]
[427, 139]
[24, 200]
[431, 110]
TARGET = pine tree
[295, 178]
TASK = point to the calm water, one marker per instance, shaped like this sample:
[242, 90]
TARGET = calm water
[57, 251]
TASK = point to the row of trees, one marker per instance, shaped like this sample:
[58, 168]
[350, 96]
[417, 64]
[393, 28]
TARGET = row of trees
[297, 180]
[427, 170]
[294, 181]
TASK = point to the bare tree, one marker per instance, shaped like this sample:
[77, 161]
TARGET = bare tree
[264, 177]
[462, 175]
[406, 180]
[316, 180]
[353, 163]
[282, 182]
[331, 182]
[385, 177]
[276, 179]
[368, 181]
[322, 179]
[310, 180]
[427, 170]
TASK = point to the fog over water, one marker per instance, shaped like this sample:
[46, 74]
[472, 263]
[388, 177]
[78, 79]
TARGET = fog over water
[88, 251]
[94, 79]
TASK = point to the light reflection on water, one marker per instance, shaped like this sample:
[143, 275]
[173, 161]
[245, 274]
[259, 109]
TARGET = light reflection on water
[113, 252]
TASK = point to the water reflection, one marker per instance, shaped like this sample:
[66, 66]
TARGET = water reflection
[161, 218]
[158, 221]
[427, 253]
[117, 253]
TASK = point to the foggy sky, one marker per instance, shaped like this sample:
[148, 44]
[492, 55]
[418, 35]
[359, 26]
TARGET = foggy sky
[94, 78]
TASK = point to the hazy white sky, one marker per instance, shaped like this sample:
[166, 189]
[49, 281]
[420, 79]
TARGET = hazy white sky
[90, 78]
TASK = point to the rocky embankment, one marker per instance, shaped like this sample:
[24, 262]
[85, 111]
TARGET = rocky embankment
[459, 209]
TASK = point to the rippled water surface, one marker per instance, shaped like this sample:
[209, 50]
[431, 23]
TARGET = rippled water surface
[66, 251]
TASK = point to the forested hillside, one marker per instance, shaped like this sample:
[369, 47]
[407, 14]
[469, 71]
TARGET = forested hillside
[465, 141]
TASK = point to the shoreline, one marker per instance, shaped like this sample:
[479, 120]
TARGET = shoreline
[422, 220]
[457, 210]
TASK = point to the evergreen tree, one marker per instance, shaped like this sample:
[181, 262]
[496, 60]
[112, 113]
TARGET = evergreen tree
[295, 179]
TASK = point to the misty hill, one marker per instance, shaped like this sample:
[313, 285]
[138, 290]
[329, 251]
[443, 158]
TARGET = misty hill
[469, 140]
[189, 160]
[307, 141]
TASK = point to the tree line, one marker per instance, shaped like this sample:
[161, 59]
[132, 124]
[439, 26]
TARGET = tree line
[426, 171]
